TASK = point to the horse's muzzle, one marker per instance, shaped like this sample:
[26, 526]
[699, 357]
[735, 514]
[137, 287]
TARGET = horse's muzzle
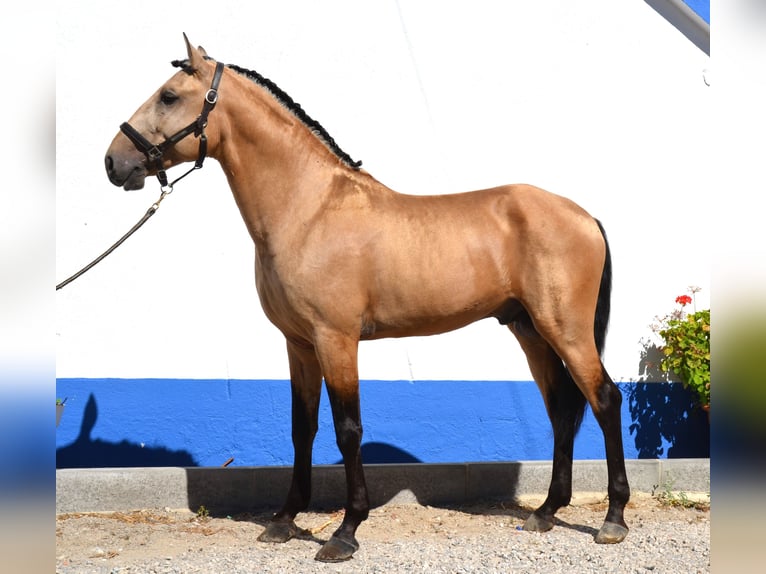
[123, 174]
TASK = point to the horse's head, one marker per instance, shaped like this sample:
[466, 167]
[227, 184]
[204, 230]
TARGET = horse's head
[157, 136]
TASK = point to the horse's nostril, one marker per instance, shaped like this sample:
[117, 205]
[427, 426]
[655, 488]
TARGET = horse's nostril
[109, 163]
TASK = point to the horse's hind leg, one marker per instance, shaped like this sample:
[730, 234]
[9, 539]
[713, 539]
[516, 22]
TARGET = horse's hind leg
[565, 405]
[306, 383]
[605, 400]
[584, 365]
[579, 353]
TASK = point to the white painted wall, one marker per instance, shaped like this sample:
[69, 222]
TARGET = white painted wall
[602, 101]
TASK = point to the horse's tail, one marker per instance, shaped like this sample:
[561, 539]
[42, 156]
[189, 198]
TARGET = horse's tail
[603, 304]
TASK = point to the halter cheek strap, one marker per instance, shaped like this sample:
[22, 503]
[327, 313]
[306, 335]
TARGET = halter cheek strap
[154, 152]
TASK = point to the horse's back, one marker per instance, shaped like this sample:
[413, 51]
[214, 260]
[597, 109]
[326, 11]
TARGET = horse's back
[512, 223]
[441, 262]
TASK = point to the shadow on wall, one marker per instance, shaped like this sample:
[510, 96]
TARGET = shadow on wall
[663, 414]
[382, 453]
[86, 452]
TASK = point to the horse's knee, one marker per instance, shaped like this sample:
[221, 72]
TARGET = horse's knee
[304, 432]
[348, 436]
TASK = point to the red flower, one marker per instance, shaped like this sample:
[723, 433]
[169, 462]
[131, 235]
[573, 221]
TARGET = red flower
[683, 300]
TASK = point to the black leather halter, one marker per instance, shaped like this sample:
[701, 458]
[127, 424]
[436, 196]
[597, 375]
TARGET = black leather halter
[154, 152]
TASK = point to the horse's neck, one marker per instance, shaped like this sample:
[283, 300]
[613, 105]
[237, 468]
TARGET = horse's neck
[278, 171]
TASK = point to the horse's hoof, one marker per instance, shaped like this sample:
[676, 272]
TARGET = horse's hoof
[537, 523]
[611, 533]
[337, 550]
[279, 532]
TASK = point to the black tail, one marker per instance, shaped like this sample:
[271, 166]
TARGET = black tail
[603, 305]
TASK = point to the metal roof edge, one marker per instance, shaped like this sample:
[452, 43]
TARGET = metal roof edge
[686, 20]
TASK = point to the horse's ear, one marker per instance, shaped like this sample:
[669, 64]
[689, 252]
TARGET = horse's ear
[196, 56]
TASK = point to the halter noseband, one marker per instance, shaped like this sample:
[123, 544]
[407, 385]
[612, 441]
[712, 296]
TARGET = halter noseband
[154, 152]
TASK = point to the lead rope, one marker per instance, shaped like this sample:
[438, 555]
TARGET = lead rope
[151, 211]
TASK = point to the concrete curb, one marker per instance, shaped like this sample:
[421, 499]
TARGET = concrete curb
[242, 489]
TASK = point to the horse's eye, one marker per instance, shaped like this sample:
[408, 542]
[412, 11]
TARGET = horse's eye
[168, 98]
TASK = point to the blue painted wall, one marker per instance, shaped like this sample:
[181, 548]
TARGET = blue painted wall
[701, 7]
[170, 422]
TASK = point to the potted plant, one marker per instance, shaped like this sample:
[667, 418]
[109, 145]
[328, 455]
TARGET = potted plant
[686, 348]
[59, 409]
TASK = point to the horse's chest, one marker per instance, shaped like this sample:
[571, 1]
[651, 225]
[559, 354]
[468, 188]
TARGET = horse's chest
[277, 296]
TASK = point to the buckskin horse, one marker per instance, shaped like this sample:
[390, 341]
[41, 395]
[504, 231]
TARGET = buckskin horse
[340, 257]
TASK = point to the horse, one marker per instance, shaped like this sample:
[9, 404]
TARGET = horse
[341, 258]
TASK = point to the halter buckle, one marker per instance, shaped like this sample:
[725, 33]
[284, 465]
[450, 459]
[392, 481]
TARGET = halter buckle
[154, 153]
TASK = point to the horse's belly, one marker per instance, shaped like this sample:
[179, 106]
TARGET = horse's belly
[432, 317]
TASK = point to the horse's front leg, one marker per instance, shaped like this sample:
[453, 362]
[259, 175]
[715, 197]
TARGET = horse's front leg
[306, 383]
[338, 356]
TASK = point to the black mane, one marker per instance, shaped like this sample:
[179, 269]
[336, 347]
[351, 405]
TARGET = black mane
[284, 99]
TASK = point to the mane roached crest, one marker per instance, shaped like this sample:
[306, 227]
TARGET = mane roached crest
[283, 98]
[185, 64]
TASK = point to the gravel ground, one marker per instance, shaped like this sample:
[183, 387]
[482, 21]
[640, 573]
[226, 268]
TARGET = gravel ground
[396, 538]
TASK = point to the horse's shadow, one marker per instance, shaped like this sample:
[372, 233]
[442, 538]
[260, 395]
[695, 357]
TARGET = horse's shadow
[589, 530]
[384, 453]
[87, 452]
[518, 513]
